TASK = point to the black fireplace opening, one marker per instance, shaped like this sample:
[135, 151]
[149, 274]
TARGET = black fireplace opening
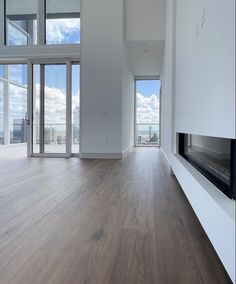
[213, 157]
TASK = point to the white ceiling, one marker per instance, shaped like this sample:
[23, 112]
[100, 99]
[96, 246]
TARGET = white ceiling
[145, 57]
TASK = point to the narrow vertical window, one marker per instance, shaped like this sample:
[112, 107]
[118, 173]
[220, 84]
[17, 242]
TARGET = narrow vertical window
[147, 112]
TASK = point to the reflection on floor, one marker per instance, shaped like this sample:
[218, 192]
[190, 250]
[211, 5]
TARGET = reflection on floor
[56, 148]
[218, 166]
[15, 151]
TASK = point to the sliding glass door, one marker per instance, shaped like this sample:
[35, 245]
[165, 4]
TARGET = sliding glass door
[55, 137]
[54, 107]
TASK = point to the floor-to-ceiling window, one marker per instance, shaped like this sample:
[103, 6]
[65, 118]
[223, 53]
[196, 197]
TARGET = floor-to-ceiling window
[147, 112]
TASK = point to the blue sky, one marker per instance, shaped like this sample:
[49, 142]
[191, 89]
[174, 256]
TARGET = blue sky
[55, 77]
[148, 87]
[147, 101]
[60, 31]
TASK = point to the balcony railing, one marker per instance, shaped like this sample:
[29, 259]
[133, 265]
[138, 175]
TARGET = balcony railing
[147, 134]
[56, 133]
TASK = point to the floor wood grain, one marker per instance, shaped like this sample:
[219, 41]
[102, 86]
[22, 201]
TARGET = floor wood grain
[76, 221]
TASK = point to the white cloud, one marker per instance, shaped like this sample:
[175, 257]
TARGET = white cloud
[147, 109]
[17, 102]
[55, 105]
[16, 73]
[60, 30]
[75, 101]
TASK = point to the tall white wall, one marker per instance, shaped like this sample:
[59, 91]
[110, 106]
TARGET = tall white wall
[188, 71]
[205, 64]
[167, 85]
[127, 105]
[145, 20]
[101, 77]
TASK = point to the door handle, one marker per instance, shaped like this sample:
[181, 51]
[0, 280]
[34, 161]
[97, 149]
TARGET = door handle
[27, 120]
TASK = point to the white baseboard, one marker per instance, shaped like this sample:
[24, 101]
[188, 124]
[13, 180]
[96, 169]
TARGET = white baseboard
[171, 172]
[127, 150]
[116, 156]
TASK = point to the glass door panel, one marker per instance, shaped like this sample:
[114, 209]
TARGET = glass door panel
[55, 109]
[36, 110]
[75, 108]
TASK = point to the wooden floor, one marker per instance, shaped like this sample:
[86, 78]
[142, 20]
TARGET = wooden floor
[75, 221]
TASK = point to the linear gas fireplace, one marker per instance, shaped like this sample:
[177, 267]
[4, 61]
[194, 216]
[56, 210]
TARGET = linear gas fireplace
[214, 157]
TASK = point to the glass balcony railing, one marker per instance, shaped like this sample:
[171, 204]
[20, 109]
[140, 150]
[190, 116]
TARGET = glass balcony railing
[18, 132]
[56, 133]
[147, 134]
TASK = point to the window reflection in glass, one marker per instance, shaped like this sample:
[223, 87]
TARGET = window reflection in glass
[21, 20]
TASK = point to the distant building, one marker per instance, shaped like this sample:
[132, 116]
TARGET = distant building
[76, 115]
[19, 133]
[76, 124]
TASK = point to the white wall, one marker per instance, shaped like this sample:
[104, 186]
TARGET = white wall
[30, 7]
[215, 211]
[127, 105]
[205, 77]
[101, 76]
[167, 85]
[145, 57]
[145, 20]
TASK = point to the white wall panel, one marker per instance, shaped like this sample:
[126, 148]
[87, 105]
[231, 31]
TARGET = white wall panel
[205, 67]
[145, 19]
[101, 76]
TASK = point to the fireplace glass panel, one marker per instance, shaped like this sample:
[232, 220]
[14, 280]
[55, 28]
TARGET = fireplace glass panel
[211, 154]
